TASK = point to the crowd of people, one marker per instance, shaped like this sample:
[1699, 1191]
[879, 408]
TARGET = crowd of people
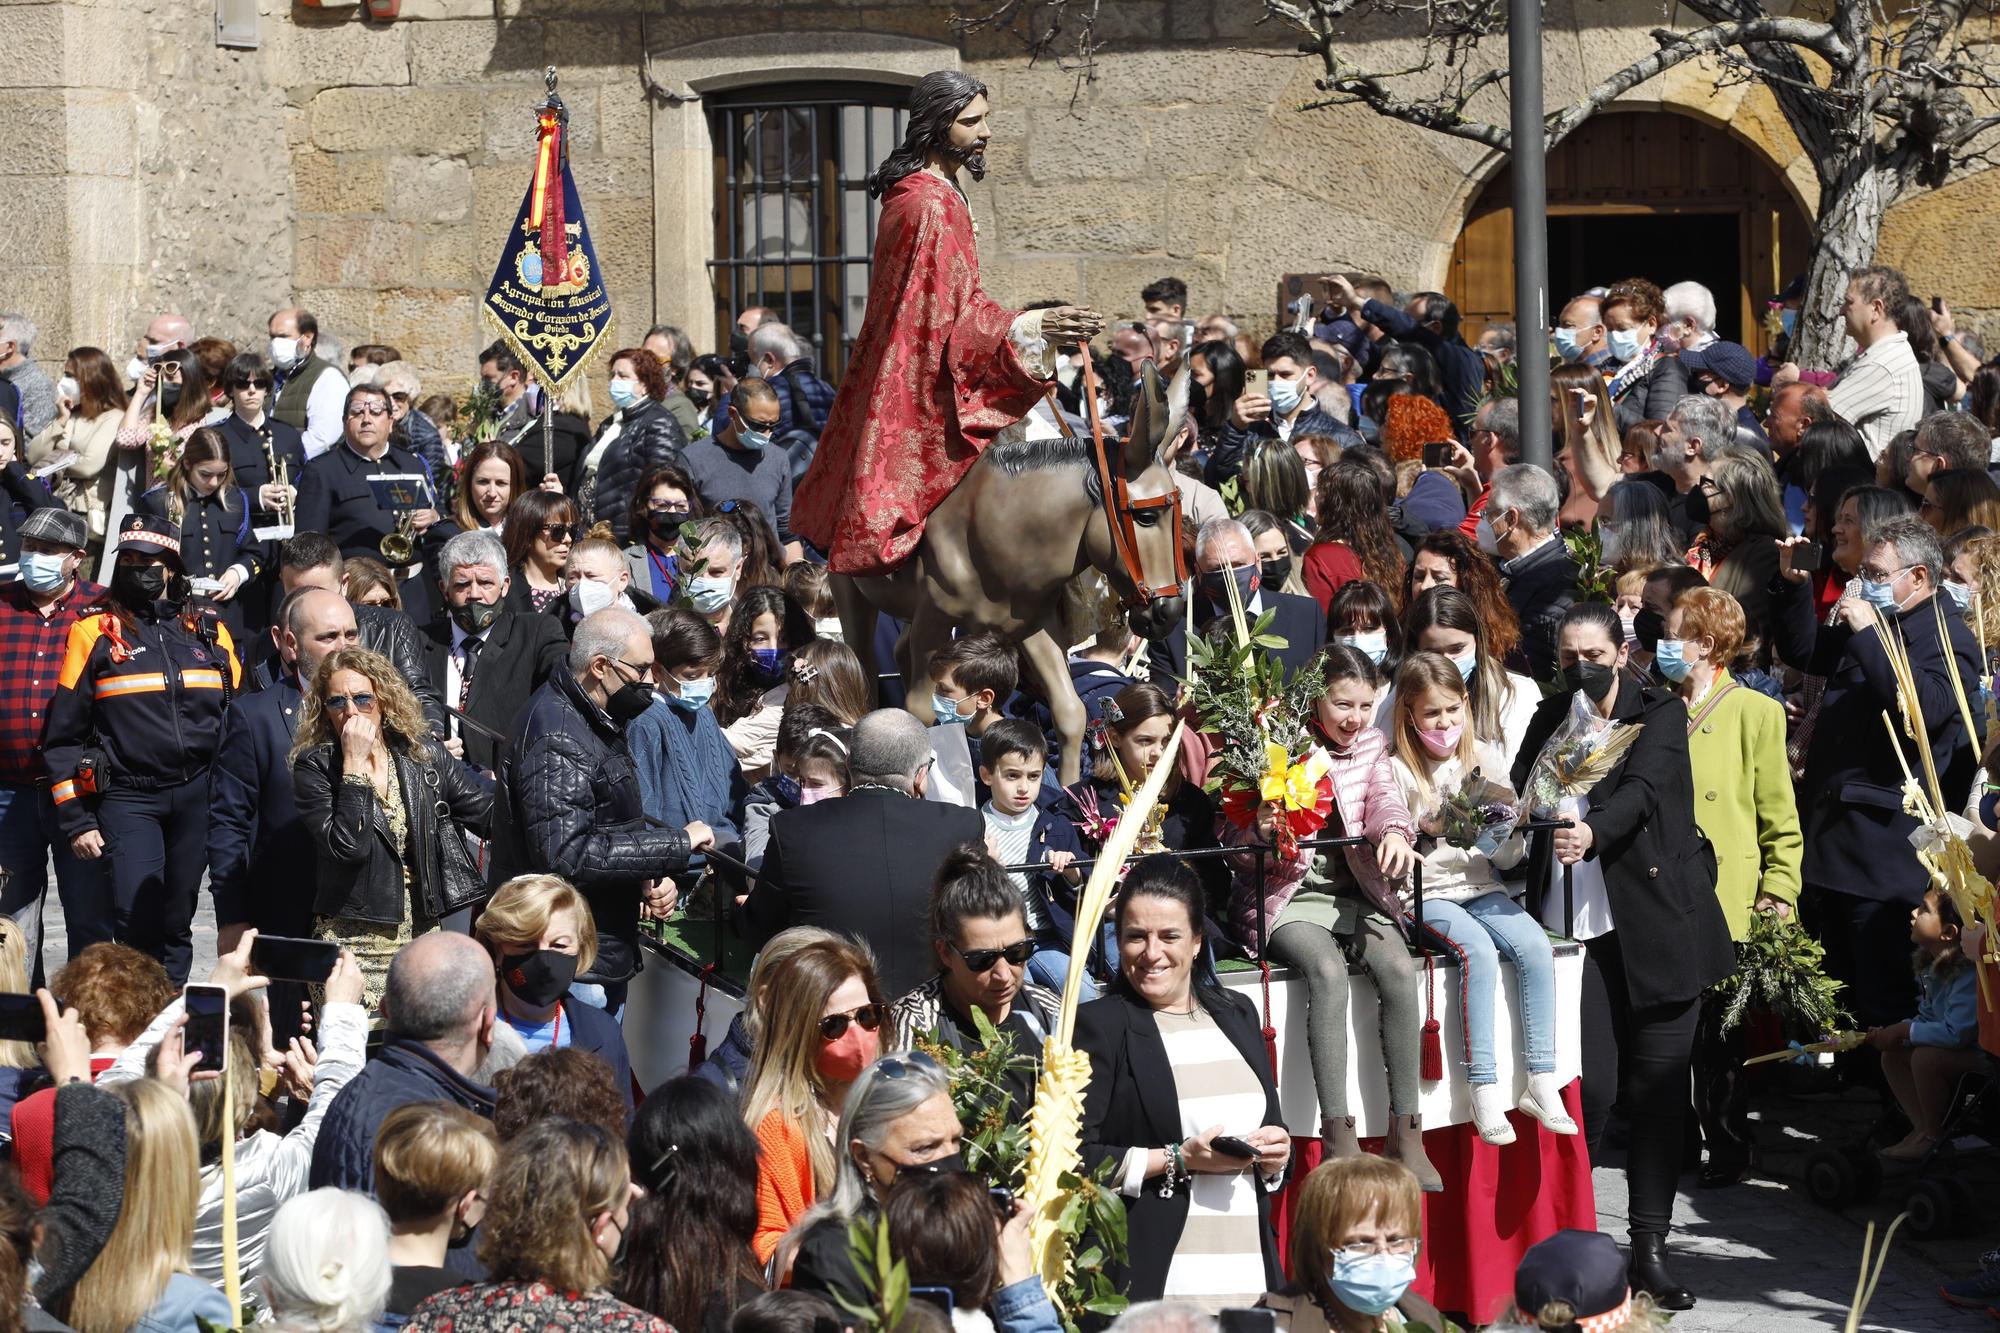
[482, 746]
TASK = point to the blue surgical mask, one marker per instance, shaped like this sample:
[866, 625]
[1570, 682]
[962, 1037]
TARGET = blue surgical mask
[1624, 343]
[944, 712]
[1285, 396]
[1568, 347]
[1960, 593]
[709, 593]
[693, 693]
[753, 439]
[767, 665]
[624, 393]
[1466, 666]
[786, 788]
[1881, 596]
[1788, 320]
[1671, 658]
[43, 572]
[1370, 1286]
[1374, 643]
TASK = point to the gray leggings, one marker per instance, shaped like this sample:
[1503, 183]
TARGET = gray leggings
[1321, 957]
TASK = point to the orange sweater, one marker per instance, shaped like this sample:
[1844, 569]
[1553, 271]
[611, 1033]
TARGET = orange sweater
[784, 1182]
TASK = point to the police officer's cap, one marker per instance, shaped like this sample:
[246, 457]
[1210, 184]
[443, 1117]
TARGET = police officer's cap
[152, 535]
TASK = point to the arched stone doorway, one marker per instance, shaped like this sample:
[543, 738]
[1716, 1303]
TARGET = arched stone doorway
[1643, 194]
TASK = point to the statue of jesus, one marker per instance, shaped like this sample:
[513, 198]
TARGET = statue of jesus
[938, 369]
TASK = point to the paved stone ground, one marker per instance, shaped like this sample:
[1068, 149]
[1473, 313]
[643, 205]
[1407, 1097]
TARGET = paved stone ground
[1762, 1256]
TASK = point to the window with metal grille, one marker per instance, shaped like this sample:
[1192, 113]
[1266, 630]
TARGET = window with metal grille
[794, 226]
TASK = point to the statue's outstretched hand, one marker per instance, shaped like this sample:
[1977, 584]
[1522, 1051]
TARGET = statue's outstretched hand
[1071, 324]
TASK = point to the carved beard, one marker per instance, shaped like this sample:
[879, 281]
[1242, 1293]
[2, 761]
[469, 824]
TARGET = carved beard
[972, 159]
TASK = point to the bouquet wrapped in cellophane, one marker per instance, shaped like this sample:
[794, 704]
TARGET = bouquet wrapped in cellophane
[1478, 815]
[1581, 754]
[1940, 835]
[1264, 752]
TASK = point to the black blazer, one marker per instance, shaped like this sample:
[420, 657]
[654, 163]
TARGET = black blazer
[247, 460]
[1132, 1103]
[262, 867]
[522, 651]
[1851, 796]
[862, 864]
[1295, 619]
[1658, 868]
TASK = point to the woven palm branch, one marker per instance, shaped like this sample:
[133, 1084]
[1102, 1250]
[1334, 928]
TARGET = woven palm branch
[1055, 1125]
[1576, 776]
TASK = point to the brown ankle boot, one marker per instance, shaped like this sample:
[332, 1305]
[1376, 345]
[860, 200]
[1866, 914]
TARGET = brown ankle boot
[1336, 1139]
[1406, 1145]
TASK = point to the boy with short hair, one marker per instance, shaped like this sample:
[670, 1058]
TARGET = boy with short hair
[1012, 757]
[971, 679]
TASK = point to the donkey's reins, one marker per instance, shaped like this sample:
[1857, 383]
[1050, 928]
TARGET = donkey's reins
[1119, 507]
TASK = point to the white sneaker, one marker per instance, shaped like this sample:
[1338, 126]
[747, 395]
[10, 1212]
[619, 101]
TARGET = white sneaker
[1489, 1114]
[1543, 1101]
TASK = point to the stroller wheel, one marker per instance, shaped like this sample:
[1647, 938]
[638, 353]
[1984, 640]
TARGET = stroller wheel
[1867, 1174]
[1932, 1209]
[1830, 1178]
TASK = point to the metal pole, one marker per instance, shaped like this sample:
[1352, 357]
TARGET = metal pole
[1531, 230]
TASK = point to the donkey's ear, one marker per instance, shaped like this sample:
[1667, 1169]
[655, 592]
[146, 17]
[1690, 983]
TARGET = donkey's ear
[1143, 433]
[1177, 416]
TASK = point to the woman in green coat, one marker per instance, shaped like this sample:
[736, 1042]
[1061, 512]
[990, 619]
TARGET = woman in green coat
[1743, 802]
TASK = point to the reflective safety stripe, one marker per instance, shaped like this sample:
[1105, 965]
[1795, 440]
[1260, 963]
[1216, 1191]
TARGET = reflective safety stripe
[112, 686]
[209, 679]
[65, 791]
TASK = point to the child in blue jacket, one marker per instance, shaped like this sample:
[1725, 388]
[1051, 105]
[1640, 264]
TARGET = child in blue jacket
[1924, 1057]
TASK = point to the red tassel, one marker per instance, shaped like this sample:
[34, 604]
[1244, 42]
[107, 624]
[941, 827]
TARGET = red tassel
[1433, 1046]
[698, 1043]
[1270, 1032]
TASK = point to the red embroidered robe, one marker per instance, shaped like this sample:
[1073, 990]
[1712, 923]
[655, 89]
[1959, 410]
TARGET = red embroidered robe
[931, 381]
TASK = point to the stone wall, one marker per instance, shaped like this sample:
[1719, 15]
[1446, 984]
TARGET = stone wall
[370, 170]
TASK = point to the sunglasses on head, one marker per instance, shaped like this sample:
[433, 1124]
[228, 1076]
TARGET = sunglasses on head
[899, 1066]
[834, 1026]
[980, 961]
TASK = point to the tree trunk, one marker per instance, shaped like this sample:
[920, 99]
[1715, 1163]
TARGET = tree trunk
[1844, 237]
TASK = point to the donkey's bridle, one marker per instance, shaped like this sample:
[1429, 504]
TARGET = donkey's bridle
[1119, 507]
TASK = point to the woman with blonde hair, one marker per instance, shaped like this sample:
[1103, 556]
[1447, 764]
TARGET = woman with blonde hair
[142, 1278]
[728, 1063]
[1591, 447]
[541, 934]
[387, 810]
[366, 581]
[821, 1027]
[431, 1163]
[558, 1205]
[1355, 1234]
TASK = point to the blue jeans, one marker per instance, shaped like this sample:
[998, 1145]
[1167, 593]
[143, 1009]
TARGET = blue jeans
[1479, 932]
[1050, 967]
[28, 834]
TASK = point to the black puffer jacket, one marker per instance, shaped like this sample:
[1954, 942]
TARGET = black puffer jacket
[649, 438]
[570, 806]
[361, 870]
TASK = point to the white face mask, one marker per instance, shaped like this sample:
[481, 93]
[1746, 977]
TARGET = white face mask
[284, 351]
[589, 597]
[69, 390]
[828, 628]
[135, 369]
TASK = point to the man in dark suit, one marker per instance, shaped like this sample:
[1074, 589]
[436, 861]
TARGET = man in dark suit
[486, 660]
[863, 863]
[1224, 550]
[1861, 875]
[261, 859]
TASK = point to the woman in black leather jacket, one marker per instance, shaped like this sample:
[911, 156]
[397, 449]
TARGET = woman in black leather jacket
[640, 436]
[387, 810]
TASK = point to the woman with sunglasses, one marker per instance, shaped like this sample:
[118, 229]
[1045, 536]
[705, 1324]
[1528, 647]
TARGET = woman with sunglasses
[539, 530]
[258, 441]
[980, 933]
[387, 810]
[822, 1027]
[666, 497]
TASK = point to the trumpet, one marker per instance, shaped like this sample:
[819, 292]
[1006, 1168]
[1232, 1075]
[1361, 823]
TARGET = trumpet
[281, 469]
[400, 547]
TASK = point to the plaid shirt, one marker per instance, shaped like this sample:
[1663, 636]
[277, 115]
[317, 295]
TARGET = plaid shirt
[31, 657]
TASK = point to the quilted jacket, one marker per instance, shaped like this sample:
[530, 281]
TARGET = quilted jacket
[571, 806]
[648, 438]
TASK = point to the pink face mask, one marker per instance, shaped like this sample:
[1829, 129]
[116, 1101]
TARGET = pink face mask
[1442, 743]
[814, 795]
[843, 1059]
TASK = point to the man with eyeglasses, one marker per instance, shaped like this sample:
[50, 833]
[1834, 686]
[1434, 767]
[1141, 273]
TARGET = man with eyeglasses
[335, 498]
[883, 834]
[569, 798]
[1861, 876]
[742, 462]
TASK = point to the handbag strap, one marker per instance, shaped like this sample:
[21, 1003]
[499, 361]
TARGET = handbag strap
[1714, 698]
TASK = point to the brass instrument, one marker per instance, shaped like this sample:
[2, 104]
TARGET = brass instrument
[399, 548]
[281, 473]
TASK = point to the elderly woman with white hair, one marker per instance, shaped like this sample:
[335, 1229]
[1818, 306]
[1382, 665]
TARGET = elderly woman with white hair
[326, 1269]
[413, 430]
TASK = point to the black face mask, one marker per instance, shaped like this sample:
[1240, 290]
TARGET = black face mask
[1215, 586]
[475, 617]
[170, 396]
[1593, 678]
[138, 588]
[1274, 572]
[629, 700]
[1647, 627]
[699, 397]
[1697, 506]
[539, 977]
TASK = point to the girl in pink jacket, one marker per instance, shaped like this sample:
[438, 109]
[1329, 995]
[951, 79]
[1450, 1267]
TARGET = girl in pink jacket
[1327, 910]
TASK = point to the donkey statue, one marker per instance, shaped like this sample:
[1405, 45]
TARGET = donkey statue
[1030, 515]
